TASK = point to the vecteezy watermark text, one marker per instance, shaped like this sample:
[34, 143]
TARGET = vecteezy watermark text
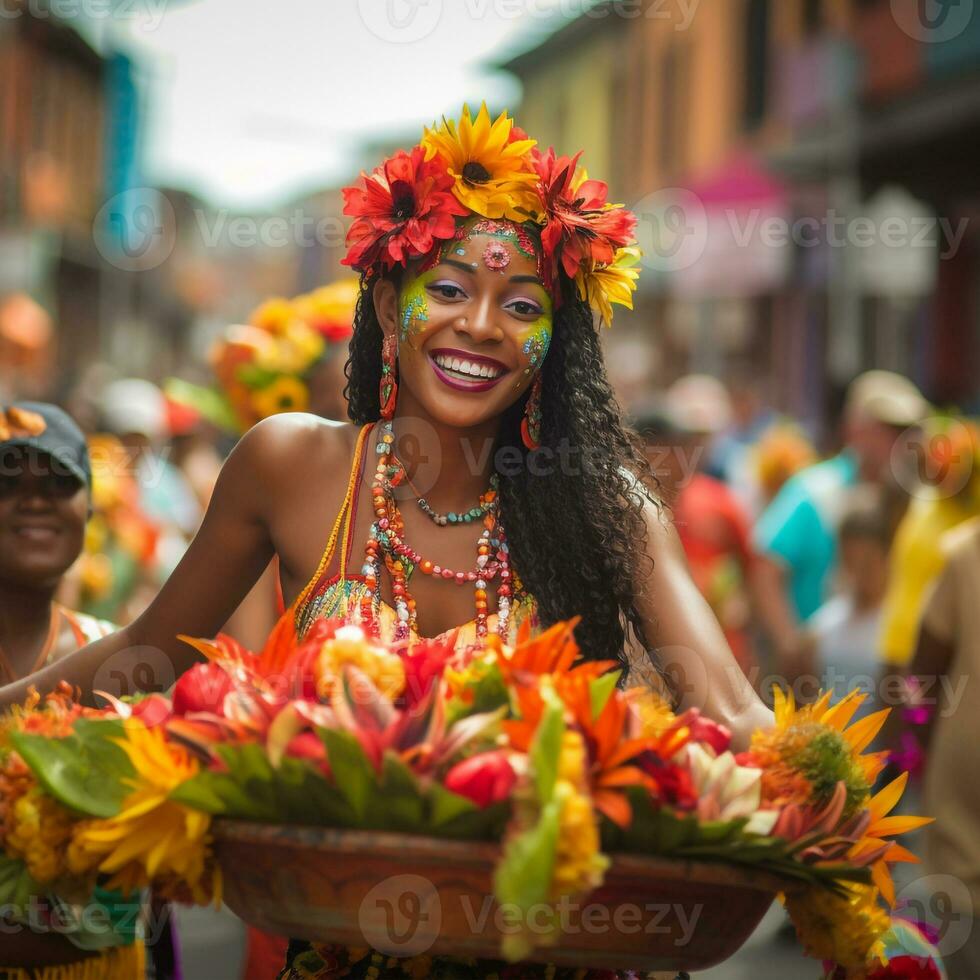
[146, 14]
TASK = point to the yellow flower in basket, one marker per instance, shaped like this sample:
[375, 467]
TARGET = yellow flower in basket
[351, 646]
[152, 836]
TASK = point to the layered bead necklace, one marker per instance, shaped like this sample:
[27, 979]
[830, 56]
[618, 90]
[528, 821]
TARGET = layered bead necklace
[386, 540]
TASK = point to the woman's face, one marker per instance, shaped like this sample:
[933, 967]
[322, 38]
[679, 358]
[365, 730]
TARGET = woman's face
[472, 330]
[43, 511]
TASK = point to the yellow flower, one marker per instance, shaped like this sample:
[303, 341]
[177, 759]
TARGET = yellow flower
[285, 394]
[152, 836]
[492, 174]
[351, 646]
[614, 283]
[40, 832]
[274, 315]
[653, 714]
[846, 929]
[95, 574]
[579, 866]
[810, 749]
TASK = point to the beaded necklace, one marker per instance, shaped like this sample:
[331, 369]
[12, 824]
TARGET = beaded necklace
[386, 539]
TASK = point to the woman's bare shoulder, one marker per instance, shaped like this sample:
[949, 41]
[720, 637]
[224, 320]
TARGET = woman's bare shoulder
[292, 443]
[279, 460]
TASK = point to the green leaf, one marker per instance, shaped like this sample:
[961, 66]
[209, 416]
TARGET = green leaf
[351, 768]
[546, 746]
[16, 883]
[87, 771]
[209, 402]
[523, 876]
[445, 805]
[600, 690]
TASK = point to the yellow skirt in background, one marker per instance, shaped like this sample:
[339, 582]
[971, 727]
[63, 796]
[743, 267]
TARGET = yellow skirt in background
[120, 963]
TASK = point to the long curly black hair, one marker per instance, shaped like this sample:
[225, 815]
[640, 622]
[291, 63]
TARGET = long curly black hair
[575, 533]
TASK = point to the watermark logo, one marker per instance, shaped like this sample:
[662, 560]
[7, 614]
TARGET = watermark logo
[943, 904]
[935, 459]
[135, 670]
[401, 916]
[671, 230]
[136, 230]
[933, 21]
[400, 21]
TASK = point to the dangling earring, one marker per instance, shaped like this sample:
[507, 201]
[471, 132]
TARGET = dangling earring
[531, 423]
[389, 383]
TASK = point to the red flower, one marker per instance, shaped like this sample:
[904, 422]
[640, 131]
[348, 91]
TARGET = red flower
[581, 230]
[486, 778]
[718, 737]
[907, 968]
[404, 207]
[424, 664]
[671, 784]
[202, 688]
[153, 710]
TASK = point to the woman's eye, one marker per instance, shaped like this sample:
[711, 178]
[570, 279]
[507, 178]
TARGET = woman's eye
[525, 308]
[447, 290]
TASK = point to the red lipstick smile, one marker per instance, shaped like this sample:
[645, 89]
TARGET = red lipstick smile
[464, 371]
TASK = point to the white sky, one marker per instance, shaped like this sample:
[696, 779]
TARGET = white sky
[255, 101]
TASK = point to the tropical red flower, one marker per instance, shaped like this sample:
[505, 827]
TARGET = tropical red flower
[202, 688]
[582, 230]
[485, 778]
[907, 968]
[672, 784]
[703, 729]
[404, 207]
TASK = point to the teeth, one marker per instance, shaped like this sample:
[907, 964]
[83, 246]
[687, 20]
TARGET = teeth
[462, 366]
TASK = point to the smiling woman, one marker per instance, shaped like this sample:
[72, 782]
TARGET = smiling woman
[504, 494]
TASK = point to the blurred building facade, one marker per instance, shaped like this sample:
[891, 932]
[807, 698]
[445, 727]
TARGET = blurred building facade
[71, 206]
[805, 176]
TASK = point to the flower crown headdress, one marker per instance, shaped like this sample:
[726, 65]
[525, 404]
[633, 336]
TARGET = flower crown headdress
[408, 208]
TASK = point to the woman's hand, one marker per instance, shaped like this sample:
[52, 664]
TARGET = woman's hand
[689, 646]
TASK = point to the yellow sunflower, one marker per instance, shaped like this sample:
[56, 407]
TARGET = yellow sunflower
[152, 836]
[285, 394]
[811, 749]
[492, 173]
[609, 284]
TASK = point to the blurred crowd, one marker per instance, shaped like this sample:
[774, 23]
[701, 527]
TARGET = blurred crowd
[854, 567]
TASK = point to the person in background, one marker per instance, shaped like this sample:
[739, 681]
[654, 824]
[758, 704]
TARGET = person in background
[732, 453]
[948, 651]
[45, 476]
[796, 536]
[842, 635]
[711, 523]
[135, 411]
[781, 452]
[948, 494]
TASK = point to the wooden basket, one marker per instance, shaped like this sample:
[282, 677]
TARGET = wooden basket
[408, 895]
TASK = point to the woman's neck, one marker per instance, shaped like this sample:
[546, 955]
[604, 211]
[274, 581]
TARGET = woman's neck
[25, 618]
[450, 466]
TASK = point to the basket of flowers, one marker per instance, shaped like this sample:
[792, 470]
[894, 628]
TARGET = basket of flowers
[507, 802]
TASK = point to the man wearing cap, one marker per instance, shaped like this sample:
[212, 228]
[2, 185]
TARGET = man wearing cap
[797, 533]
[45, 477]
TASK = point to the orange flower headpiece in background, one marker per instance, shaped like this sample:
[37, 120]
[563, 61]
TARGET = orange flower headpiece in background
[410, 207]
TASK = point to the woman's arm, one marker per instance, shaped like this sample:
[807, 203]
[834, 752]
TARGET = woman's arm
[232, 547]
[688, 644]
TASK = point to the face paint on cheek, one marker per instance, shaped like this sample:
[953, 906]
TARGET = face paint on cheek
[536, 340]
[413, 310]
